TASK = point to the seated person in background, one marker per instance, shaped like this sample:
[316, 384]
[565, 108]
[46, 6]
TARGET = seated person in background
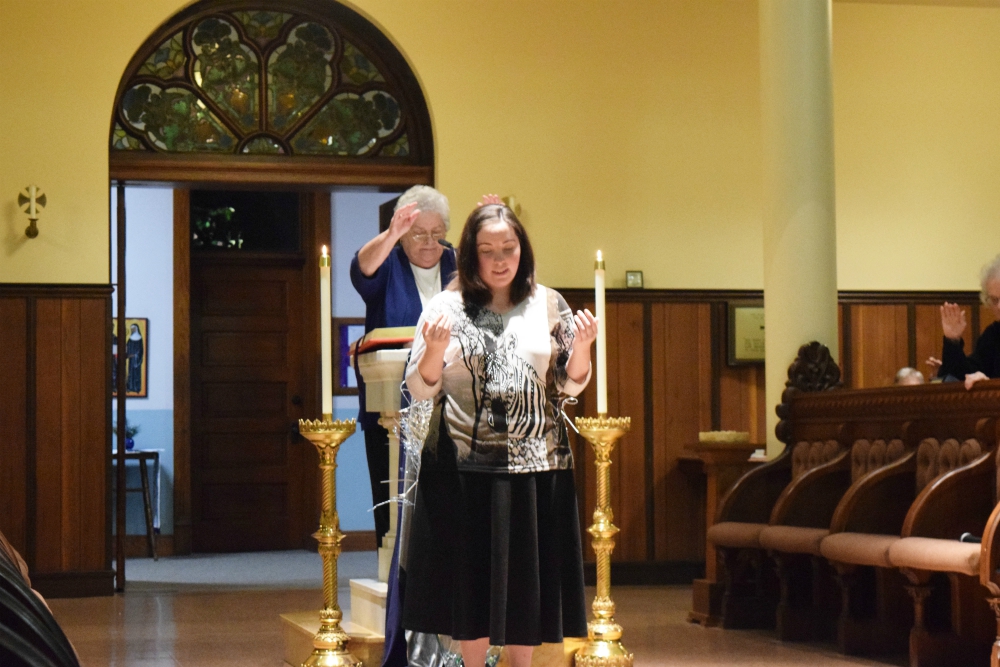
[909, 376]
[984, 362]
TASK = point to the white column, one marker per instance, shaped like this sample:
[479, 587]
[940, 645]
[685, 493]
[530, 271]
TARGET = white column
[800, 251]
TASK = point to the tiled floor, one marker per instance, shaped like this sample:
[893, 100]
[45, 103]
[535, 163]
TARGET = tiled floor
[206, 624]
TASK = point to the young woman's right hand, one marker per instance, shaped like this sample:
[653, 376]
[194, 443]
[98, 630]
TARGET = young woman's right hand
[437, 333]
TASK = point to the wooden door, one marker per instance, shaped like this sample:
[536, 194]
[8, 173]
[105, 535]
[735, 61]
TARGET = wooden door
[248, 464]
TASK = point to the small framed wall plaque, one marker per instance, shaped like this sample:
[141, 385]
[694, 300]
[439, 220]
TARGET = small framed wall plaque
[746, 332]
[633, 279]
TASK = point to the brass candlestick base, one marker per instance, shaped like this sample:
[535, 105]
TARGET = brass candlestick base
[603, 648]
[330, 643]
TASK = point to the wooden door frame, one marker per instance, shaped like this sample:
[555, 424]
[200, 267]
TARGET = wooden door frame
[182, 370]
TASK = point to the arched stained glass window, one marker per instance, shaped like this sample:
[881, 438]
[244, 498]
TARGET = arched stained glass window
[300, 78]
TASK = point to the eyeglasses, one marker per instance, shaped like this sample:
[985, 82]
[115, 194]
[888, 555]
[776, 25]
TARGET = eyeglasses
[424, 237]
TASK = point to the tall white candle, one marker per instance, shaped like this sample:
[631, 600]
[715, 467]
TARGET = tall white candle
[602, 336]
[326, 340]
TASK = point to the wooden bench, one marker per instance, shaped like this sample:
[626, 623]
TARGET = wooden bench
[881, 483]
[876, 614]
[801, 520]
[952, 619]
[750, 584]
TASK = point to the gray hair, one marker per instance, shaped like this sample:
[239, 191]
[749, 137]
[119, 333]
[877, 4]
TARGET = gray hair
[907, 373]
[428, 199]
[990, 271]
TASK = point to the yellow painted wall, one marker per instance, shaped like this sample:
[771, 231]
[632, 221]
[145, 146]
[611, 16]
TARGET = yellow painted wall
[629, 126]
[917, 132]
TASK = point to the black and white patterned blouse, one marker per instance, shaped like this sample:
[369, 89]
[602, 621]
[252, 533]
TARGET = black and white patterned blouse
[502, 380]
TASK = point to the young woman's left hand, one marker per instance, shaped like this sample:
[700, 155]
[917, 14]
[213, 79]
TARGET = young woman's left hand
[584, 328]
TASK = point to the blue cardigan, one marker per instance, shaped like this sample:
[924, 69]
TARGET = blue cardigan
[392, 300]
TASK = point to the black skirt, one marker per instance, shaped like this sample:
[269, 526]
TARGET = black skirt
[496, 555]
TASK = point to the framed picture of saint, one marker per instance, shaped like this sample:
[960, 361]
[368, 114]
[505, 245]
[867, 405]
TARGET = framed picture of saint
[136, 357]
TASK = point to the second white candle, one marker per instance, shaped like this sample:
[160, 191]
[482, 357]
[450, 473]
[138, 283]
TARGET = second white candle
[602, 336]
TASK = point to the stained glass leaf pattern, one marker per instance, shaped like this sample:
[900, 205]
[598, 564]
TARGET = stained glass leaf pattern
[226, 70]
[167, 61]
[298, 73]
[260, 82]
[356, 68]
[263, 146]
[123, 141]
[349, 125]
[399, 148]
[175, 120]
[262, 27]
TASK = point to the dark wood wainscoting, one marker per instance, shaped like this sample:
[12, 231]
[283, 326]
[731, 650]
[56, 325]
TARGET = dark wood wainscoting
[884, 331]
[667, 352]
[668, 369]
[55, 434]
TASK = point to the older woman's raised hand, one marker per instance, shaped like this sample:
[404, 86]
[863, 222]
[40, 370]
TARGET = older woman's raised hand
[402, 220]
[952, 321]
[584, 329]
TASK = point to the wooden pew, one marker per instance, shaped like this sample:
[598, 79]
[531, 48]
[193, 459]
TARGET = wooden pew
[952, 620]
[750, 585]
[876, 615]
[801, 519]
[924, 599]
[989, 568]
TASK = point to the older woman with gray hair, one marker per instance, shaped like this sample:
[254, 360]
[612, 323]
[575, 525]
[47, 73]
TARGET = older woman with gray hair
[984, 362]
[396, 273]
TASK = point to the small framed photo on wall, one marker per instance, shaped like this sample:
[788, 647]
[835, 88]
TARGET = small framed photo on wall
[633, 279]
[345, 331]
[746, 332]
[136, 357]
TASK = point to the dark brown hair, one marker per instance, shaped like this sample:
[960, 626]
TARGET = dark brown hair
[474, 290]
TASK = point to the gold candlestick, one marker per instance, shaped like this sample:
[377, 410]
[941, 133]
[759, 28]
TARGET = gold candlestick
[603, 648]
[330, 643]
